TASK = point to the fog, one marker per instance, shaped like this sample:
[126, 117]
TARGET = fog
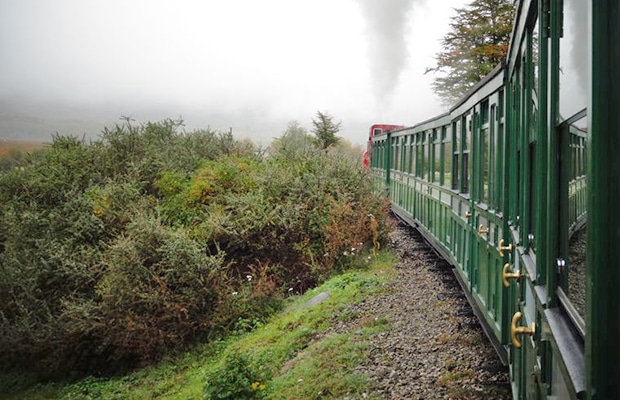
[75, 66]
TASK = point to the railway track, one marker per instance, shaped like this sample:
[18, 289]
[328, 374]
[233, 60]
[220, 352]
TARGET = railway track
[435, 348]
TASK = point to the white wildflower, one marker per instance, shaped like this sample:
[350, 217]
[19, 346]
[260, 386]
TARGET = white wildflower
[248, 277]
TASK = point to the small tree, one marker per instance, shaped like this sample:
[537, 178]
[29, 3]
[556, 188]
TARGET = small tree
[477, 42]
[325, 130]
[294, 138]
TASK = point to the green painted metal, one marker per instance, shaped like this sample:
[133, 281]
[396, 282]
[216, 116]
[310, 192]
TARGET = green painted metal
[553, 193]
[541, 161]
[510, 128]
[603, 273]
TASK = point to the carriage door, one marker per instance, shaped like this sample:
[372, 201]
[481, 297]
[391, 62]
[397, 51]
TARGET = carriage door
[487, 222]
[523, 303]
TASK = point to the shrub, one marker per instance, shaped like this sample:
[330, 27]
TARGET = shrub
[236, 378]
[158, 291]
[114, 252]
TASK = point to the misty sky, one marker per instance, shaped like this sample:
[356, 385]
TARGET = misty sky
[74, 66]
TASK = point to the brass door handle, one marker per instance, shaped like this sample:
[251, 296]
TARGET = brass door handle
[506, 273]
[503, 248]
[482, 230]
[519, 330]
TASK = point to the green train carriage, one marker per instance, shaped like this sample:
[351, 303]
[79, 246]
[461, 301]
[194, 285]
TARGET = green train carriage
[498, 186]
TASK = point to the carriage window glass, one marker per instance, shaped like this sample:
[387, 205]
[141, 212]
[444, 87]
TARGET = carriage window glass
[411, 154]
[467, 167]
[447, 159]
[437, 157]
[535, 60]
[412, 159]
[403, 152]
[394, 153]
[399, 153]
[465, 187]
[499, 166]
[419, 157]
[492, 162]
[577, 209]
[465, 130]
[534, 56]
[374, 161]
[484, 112]
[373, 155]
[484, 164]
[456, 140]
[574, 59]
[426, 152]
[573, 98]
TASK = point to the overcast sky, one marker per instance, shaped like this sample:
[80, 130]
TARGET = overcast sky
[248, 65]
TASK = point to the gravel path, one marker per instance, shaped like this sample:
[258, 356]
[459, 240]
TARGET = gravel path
[435, 348]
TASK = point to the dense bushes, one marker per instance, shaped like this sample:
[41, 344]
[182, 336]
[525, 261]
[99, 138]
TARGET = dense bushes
[114, 252]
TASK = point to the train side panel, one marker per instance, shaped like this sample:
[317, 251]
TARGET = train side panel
[498, 185]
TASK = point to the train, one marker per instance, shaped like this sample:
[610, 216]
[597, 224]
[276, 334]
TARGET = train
[518, 187]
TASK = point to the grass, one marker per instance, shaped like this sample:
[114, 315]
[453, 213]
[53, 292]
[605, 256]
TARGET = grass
[295, 354]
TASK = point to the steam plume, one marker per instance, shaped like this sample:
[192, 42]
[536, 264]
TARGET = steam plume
[387, 48]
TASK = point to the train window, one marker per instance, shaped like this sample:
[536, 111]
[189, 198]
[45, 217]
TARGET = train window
[535, 60]
[426, 148]
[403, 154]
[456, 140]
[492, 162]
[485, 153]
[446, 162]
[418, 157]
[374, 160]
[501, 104]
[397, 157]
[423, 155]
[466, 167]
[393, 153]
[436, 156]
[412, 160]
[499, 159]
[484, 112]
[484, 164]
[573, 280]
[530, 97]
[574, 59]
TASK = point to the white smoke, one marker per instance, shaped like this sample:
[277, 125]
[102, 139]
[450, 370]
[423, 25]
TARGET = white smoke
[386, 25]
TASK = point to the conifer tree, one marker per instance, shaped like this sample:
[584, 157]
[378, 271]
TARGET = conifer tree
[477, 41]
[325, 130]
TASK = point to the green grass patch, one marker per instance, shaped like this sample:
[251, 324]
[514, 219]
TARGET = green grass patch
[293, 356]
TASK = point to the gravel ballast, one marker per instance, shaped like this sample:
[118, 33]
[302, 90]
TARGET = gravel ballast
[435, 348]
